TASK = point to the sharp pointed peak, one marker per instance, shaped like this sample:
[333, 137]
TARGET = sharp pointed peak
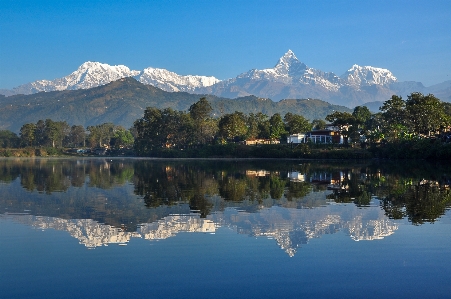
[289, 54]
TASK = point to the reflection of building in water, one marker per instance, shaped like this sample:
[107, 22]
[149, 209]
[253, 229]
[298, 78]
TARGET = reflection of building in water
[291, 228]
[295, 176]
[258, 173]
[333, 180]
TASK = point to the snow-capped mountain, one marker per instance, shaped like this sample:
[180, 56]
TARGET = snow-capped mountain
[289, 70]
[291, 78]
[93, 74]
[367, 75]
[169, 81]
[88, 75]
[288, 79]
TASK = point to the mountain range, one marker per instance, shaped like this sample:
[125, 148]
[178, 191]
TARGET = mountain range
[288, 79]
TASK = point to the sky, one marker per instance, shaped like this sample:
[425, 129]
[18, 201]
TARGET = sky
[50, 39]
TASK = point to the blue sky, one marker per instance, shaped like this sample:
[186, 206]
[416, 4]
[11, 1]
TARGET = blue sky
[50, 39]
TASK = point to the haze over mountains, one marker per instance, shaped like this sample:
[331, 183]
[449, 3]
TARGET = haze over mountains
[288, 79]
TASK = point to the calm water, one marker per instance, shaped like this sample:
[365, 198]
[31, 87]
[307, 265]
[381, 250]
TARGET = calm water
[133, 228]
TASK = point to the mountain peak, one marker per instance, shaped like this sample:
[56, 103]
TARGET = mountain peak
[287, 58]
[368, 75]
[290, 65]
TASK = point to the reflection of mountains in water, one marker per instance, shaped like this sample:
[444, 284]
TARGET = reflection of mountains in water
[291, 228]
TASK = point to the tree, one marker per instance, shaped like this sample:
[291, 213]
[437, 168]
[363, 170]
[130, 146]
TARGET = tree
[40, 133]
[27, 134]
[162, 128]
[56, 131]
[204, 127]
[426, 114]
[257, 126]
[122, 138]
[374, 128]
[100, 135]
[318, 124]
[277, 127]
[77, 136]
[296, 123]
[344, 120]
[233, 126]
[8, 139]
[361, 114]
[393, 110]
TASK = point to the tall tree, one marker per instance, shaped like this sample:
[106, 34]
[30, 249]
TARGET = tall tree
[27, 134]
[393, 111]
[426, 114]
[40, 132]
[258, 126]
[77, 136]
[233, 126]
[277, 127]
[204, 127]
[9, 139]
[296, 123]
[122, 138]
[56, 131]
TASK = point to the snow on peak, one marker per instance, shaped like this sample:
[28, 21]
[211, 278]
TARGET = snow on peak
[288, 71]
[92, 74]
[170, 81]
[89, 74]
[367, 75]
[289, 65]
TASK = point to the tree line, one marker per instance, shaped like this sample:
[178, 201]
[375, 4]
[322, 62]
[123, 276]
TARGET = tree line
[418, 117]
[58, 134]
[167, 128]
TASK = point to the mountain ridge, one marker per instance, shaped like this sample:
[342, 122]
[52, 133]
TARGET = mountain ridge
[289, 78]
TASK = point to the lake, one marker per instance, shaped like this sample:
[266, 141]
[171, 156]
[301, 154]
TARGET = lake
[148, 228]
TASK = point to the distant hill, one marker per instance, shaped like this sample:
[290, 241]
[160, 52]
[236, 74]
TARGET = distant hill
[123, 101]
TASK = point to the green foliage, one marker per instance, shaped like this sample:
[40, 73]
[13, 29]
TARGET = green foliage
[426, 114]
[258, 126]
[162, 129]
[100, 135]
[318, 124]
[277, 127]
[204, 127]
[122, 138]
[77, 136]
[232, 127]
[296, 123]
[9, 139]
[27, 134]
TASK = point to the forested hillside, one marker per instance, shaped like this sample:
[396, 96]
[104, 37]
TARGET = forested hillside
[124, 101]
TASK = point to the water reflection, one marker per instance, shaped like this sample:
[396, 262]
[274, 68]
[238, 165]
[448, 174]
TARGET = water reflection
[106, 201]
[290, 228]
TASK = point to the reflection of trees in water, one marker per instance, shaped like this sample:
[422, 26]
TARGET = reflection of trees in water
[172, 183]
[419, 203]
[56, 175]
[352, 188]
[413, 191]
